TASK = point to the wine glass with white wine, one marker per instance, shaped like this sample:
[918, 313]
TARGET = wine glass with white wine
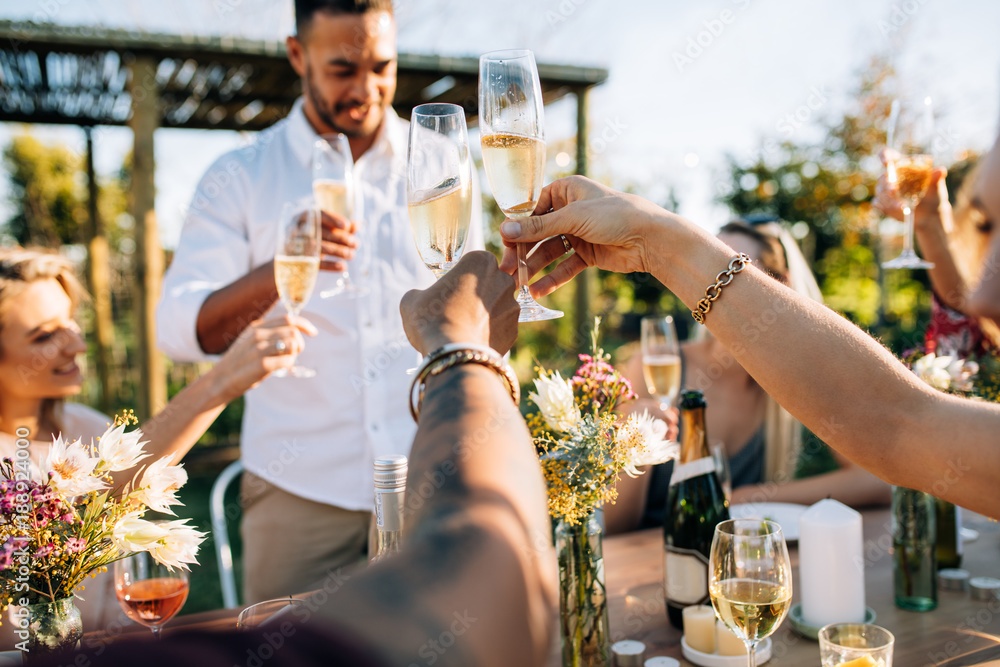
[910, 139]
[439, 184]
[750, 579]
[333, 190]
[513, 141]
[296, 263]
[661, 359]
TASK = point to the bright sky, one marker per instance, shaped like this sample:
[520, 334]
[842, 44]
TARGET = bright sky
[689, 82]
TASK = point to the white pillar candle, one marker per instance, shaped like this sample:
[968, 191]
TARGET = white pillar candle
[727, 641]
[831, 564]
[699, 628]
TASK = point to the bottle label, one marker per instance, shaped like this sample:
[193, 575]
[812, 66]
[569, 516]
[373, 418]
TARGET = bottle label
[388, 510]
[685, 577]
[692, 469]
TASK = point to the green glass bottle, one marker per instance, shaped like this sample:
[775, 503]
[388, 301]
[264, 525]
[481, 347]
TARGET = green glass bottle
[696, 503]
[949, 541]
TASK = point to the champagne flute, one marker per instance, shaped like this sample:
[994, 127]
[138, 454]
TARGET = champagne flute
[333, 190]
[513, 141]
[296, 263]
[661, 359]
[148, 591]
[910, 135]
[439, 184]
[750, 579]
[722, 469]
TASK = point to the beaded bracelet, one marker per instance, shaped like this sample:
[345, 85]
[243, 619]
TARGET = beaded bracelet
[736, 264]
[454, 354]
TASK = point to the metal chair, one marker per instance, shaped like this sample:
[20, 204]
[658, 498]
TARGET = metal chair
[220, 533]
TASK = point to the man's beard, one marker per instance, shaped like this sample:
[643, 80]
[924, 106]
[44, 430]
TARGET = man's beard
[326, 113]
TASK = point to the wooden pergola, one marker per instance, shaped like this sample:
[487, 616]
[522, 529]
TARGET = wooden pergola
[89, 76]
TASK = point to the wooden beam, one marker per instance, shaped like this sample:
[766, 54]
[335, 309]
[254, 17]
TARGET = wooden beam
[148, 255]
[99, 282]
[582, 312]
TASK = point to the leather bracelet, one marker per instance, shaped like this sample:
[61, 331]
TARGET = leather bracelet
[455, 354]
[736, 264]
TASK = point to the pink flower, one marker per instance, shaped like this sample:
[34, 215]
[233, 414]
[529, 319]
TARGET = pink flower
[44, 550]
[75, 545]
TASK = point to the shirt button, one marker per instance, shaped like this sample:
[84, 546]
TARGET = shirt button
[368, 324]
[374, 427]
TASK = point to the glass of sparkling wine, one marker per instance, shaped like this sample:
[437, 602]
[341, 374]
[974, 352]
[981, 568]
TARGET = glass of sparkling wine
[513, 142]
[910, 135]
[661, 359]
[296, 263]
[149, 592]
[439, 184]
[333, 190]
[750, 579]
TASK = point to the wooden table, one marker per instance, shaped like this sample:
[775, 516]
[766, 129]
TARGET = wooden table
[634, 569]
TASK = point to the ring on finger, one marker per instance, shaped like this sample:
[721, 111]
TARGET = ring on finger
[566, 244]
[280, 346]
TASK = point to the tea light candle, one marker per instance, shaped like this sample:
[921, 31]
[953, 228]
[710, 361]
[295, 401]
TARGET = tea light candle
[831, 564]
[727, 641]
[699, 628]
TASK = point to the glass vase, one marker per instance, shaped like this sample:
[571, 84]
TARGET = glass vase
[583, 606]
[54, 628]
[913, 542]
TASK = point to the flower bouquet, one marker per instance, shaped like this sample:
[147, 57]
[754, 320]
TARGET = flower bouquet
[64, 521]
[974, 377]
[584, 444]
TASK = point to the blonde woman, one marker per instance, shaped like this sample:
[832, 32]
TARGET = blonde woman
[762, 440]
[39, 344]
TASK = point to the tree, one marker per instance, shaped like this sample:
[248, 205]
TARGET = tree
[828, 186]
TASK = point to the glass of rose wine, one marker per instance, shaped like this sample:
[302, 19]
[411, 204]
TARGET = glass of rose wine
[661, 359]
[149, 592]
[296, 263]
[333, 190]
[439, 184]
[750, 579]
[513, 141]
[910, 136]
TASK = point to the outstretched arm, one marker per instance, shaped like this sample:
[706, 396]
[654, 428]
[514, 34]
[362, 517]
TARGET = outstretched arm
[845, 387]
[477, 562]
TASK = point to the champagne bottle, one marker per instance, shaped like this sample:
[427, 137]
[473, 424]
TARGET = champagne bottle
[387, 521]
[949, 541]
[695, 505]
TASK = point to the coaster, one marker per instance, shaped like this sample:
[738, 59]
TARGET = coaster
[809, 632]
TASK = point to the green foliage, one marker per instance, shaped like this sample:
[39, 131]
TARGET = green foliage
[828, 186]
[48, 194]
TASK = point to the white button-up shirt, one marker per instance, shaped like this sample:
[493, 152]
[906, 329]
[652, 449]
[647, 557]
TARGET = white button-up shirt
[313, 437]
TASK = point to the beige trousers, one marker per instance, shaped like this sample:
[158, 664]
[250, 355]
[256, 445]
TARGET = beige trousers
[292, 545]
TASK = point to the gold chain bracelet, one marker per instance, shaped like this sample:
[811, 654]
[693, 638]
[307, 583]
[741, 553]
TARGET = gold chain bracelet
[454, 354]
[736, 264]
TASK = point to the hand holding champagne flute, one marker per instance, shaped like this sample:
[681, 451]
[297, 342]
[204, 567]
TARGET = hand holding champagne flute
[661, 359]
[513, 142]
[909, 138]
[439, 184]
[296, 263]
[750, 579]
[333, 190]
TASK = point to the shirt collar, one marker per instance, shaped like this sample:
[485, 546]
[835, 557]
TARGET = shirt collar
[391, 138]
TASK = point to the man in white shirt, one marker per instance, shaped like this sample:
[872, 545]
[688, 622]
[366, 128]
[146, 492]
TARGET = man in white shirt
[308, 443]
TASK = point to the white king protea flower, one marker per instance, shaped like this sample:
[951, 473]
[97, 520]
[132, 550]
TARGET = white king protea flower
[72, 468]
[554, 397]
[159, 485]
[179, 546]
[133, 533]
[118, 450]
[645, 438]
[945, 372]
